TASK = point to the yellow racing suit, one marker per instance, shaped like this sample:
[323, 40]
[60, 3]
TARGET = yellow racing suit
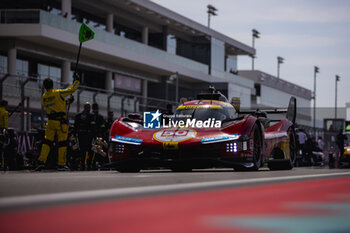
[4, 116]
[54, 103]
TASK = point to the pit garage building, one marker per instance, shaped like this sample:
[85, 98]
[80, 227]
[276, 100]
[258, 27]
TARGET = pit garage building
[141, 53]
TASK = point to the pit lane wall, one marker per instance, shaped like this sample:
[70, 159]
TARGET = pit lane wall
[31, 114]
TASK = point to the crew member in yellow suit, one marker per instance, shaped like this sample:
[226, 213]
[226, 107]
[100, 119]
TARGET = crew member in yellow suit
[54, 103]
[4, 115]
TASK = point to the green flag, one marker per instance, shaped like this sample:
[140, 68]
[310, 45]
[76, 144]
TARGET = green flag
[85, 33]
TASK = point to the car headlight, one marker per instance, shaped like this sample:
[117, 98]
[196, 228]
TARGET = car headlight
[231, 147]
[245, 145]
[236, 146]
[117, 148]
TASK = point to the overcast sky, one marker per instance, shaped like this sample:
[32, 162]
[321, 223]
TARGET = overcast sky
[305, 33]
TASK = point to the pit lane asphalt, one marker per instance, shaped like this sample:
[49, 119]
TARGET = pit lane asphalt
[28, 188]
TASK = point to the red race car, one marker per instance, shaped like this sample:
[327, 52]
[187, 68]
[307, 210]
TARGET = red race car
[204, 133]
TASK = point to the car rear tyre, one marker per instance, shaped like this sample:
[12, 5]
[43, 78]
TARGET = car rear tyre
[292, 148]
[257, 158]
[288, 164]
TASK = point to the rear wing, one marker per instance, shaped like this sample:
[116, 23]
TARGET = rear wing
[291, 111]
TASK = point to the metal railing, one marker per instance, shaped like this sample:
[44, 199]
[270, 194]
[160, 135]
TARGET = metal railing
[19, 16]
[28, 90]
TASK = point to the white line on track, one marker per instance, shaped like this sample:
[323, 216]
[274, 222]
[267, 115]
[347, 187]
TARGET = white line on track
[18, 201]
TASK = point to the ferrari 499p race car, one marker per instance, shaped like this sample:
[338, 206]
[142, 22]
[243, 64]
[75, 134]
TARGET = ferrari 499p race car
[205, 133]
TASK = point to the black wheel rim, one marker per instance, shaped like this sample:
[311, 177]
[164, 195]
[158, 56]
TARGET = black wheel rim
[292, 146]
[257, 146]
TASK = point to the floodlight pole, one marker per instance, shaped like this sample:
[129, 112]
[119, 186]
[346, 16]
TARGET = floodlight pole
[208, 20]
[280, 60]
[316, 70]
[211, 11]
[255, 34]
[337, 79]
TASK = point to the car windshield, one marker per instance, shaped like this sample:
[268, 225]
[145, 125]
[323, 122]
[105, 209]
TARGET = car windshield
[200, 113]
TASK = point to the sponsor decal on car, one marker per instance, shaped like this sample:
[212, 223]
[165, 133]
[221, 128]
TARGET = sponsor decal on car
[221, 138]
[170, 145]
[127, 140]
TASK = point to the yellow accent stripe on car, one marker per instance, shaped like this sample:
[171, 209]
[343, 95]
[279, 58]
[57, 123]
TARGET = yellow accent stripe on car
[200, 106]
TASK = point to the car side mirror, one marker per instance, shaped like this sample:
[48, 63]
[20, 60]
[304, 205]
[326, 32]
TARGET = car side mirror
[236, 103]
[134, 116]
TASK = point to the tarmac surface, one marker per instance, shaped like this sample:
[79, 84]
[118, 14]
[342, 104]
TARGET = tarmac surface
[208, 200]
[28, 183]
[15, 183]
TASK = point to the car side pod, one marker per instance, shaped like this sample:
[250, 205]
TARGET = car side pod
[284, 156]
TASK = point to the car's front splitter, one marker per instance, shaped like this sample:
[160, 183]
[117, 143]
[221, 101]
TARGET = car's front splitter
[199, 162]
